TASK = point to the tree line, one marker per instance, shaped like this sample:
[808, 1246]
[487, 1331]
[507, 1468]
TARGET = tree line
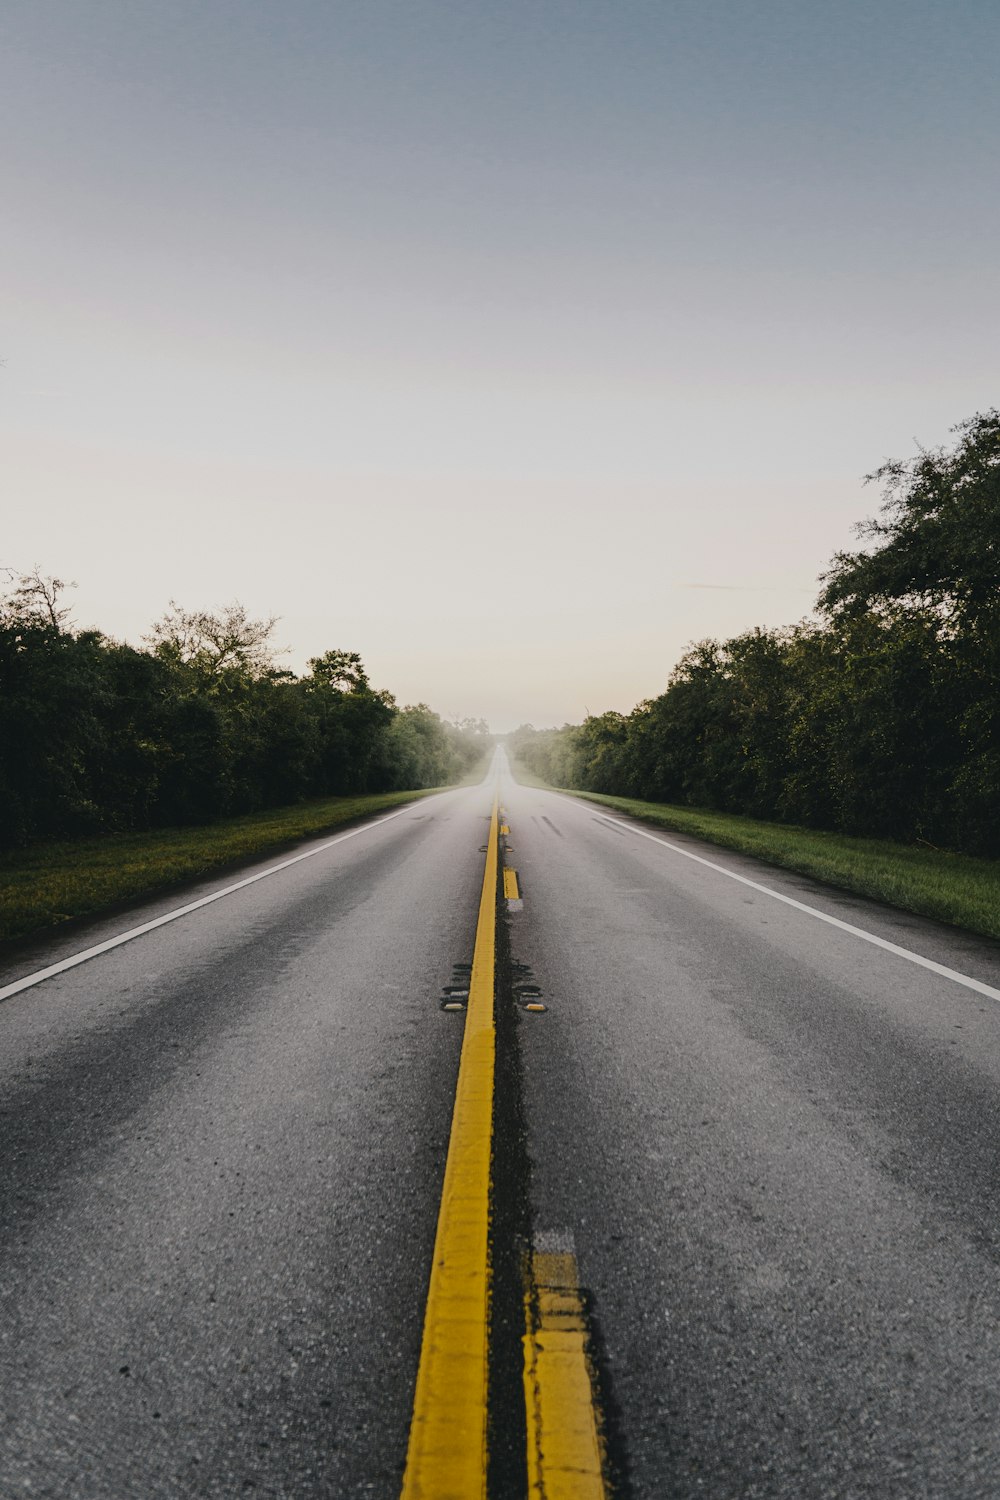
[197, 724]
[880, 716]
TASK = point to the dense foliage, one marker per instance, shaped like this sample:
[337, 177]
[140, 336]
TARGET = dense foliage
[880, 717]
[96, 735]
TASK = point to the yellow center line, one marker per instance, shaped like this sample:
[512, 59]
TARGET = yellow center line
[565, 1447]
[510, 890]
[446, 1458]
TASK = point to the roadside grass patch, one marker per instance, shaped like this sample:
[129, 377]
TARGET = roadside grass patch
[953, 888]
[47, 883]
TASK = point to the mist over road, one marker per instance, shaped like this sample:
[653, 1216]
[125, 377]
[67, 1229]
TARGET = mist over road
[767, 1146]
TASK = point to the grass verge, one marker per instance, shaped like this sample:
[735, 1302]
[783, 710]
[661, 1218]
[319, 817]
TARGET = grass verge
[953, 888]
[50, 882]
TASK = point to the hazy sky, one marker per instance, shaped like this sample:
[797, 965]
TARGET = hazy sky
[513, 345]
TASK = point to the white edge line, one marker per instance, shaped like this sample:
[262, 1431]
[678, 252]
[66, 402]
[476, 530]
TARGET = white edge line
[812, 911]
[182, 911]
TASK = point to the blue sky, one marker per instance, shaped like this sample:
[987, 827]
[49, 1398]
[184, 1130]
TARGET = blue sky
[512, 345]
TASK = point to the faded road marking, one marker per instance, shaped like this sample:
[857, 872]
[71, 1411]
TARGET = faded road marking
[565, 1447]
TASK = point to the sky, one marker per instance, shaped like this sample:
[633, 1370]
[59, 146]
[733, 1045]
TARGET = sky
[513, 345]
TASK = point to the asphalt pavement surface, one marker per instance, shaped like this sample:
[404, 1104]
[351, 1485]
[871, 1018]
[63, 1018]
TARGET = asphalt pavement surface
[771, 1144]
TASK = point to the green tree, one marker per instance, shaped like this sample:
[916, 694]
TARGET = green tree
[937, 541]
[340, 671]
[220, 648]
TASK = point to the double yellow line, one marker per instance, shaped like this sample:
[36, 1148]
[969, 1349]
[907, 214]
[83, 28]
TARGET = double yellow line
[447, 1458]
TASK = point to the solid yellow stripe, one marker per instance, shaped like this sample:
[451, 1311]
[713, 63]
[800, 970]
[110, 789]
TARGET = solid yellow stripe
[564, 1439]
[446, 1459]
[510, 885]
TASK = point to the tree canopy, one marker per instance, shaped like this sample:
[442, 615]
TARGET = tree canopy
[880, 717]
[99, 735]
[217, 646]
[937, 541]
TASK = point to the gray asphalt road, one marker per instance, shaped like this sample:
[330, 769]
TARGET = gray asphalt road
[221, 1155]
[772, 1143]
[776, 1148]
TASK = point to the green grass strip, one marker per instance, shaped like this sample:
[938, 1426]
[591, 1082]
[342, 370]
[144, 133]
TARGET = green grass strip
[50, 882]
[953, 888]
